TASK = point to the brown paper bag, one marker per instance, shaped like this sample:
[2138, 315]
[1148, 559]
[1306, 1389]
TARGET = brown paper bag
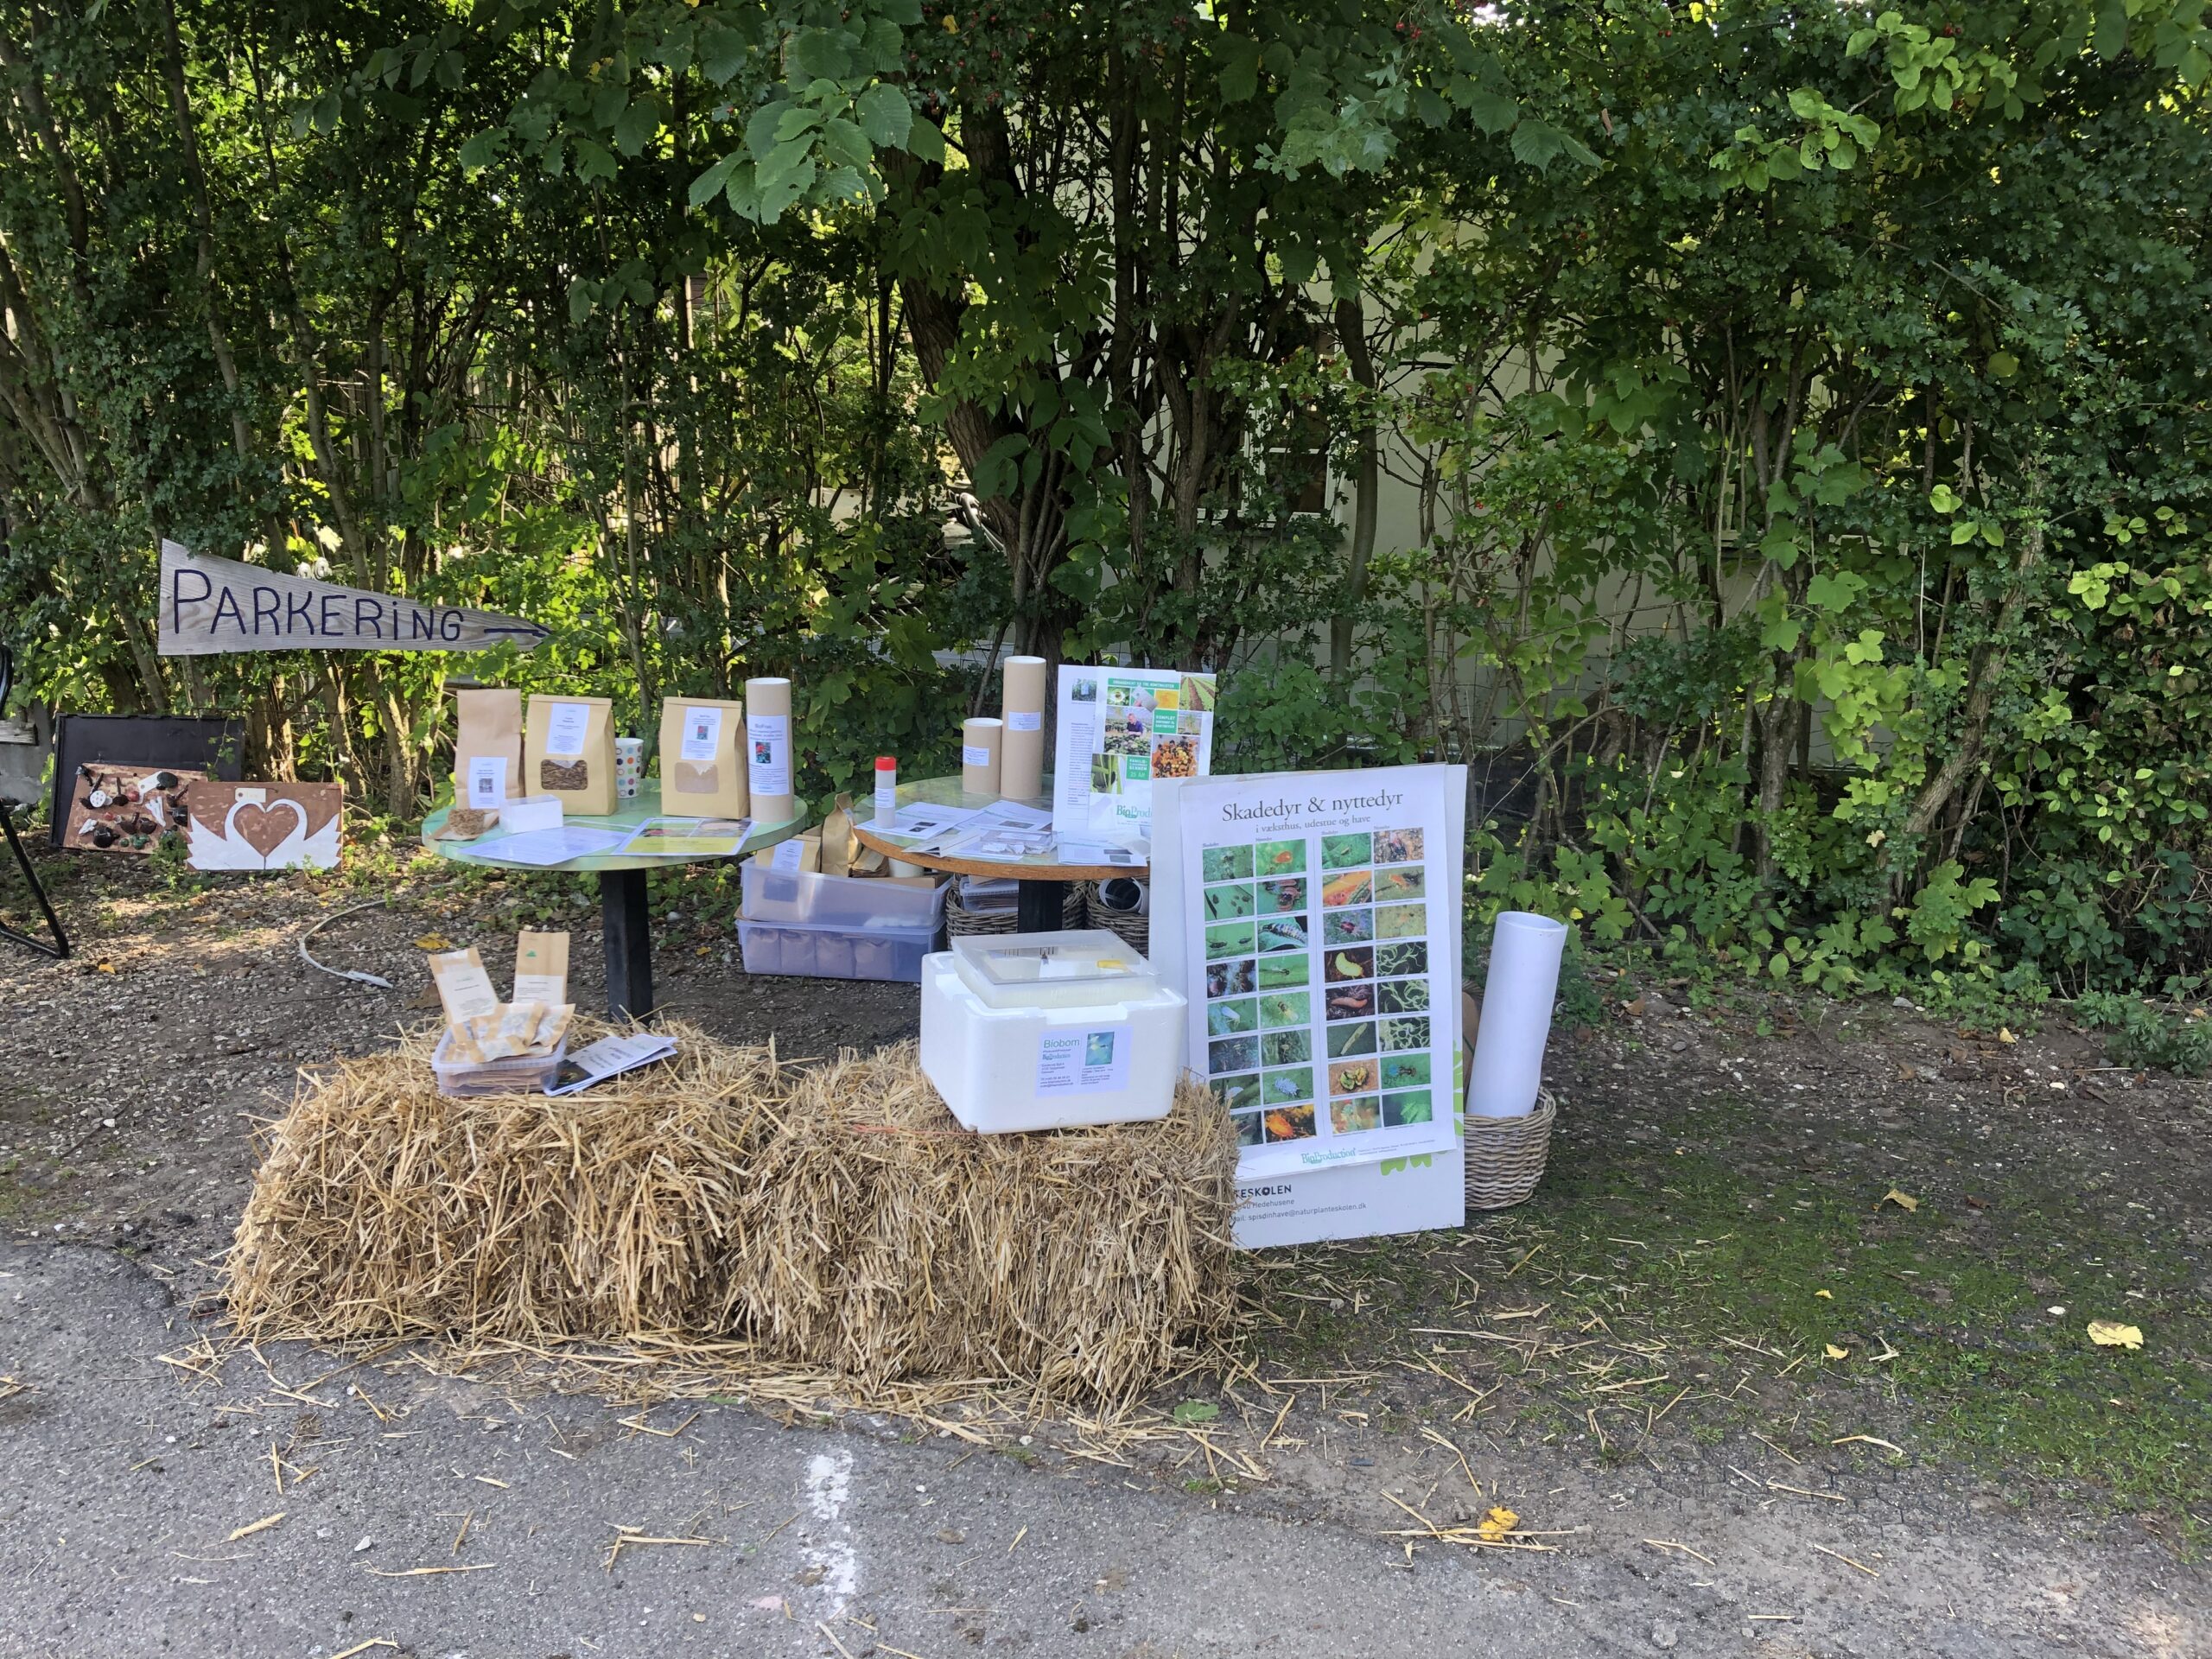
[542, 968]
[703, 758]
[464, 988]
[799, 856]
[487, 747]
[838, 844]
[568, 753]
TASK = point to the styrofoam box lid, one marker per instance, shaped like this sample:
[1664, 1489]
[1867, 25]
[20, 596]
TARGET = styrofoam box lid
[1052, 971]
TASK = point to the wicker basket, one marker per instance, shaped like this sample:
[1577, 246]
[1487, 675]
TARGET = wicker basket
[959, 921]
[1132, 930]
[1505, 1155]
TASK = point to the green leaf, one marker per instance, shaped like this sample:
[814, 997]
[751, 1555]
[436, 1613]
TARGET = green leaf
[709, 184]
[1240, 68]
[884, 116]
[2111, 38]
[483, 149]
[723, 51]
[583, 296]
[816, 54]
[1196, 1411]
[2003, 366]
[1493, 111]
[925, 140]
[637, 126]
[592, 159]
[1943, 499]
[1537, 143]
[845, 144]
[1965, 530]
[760, 130]
[1828, 593]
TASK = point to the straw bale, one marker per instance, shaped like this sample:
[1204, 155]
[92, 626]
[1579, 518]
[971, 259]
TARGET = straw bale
[831, 1215]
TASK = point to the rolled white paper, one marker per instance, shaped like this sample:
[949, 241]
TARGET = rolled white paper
[1021, 754]
[1517, 997]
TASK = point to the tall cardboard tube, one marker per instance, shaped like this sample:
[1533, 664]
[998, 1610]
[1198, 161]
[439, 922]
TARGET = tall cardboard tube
[979, 756]
[1021, 752]
[769, 761]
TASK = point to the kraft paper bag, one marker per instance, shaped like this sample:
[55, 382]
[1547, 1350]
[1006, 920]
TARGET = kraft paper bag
[702, 764]
[542, 968]
[568, 753]
[487, 748]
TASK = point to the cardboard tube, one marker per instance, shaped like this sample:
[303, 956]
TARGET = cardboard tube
[1021, 753]
[769, 762]
[979, 756]
[1516, 1017]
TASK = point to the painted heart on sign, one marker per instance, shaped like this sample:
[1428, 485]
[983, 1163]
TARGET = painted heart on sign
[259, 827]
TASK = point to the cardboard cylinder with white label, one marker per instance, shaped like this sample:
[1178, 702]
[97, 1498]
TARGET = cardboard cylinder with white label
[1021, 752]
[768, 750]
[979, 756]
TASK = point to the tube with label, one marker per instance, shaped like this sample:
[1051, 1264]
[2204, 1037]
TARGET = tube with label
[979, 756]
[768, 750]
[1021, 753]
[887, 791]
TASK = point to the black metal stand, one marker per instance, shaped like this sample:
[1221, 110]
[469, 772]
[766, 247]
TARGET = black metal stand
[60, 948]
[628, 925]
[1041, 906]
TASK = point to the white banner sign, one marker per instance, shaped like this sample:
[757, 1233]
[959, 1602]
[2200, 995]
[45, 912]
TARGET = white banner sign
[210, 606]
[1313, 921]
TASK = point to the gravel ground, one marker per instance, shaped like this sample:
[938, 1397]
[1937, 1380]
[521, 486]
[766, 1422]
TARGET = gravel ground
[141, 1067]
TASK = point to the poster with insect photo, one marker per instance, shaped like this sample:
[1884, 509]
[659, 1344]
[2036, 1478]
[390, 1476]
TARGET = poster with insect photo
[1321, 933]
[1119, 729]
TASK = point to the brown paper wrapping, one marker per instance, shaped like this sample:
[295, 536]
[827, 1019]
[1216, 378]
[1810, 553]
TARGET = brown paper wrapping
[583, 783]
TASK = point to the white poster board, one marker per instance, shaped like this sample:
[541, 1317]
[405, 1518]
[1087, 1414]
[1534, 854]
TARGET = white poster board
[1357, 1154]
[1120, 731]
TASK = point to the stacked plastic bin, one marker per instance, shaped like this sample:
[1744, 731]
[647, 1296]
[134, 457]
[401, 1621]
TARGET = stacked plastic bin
[837, 927]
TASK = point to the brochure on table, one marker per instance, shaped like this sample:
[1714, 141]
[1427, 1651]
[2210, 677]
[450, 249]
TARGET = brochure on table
[1325, 989]
[1120, 730]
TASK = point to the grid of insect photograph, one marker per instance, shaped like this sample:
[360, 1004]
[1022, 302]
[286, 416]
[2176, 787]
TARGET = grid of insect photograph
[1318, 984]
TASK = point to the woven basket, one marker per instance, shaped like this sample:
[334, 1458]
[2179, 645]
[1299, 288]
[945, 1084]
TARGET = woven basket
[959, 921]
[1134, 931]
[1505, 1155]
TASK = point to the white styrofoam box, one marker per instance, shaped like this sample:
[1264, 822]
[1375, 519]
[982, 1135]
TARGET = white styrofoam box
[817, 950]
[848, 901]
[1115, 1060]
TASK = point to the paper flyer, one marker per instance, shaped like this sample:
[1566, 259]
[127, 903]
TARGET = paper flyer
[549, 846]
[688, 838]
[1119, 729]
[1323, 943]
[607, 1058]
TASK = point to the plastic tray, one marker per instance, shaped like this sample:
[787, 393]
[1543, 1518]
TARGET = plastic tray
[526, 1074]
[815, 950]
[849, 901]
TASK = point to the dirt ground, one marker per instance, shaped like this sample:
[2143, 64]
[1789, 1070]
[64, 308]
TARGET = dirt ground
[1791, 1344]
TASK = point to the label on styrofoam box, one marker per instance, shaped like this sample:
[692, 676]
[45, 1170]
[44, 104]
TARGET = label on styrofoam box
[971, 756]
[488, 780]
[1028, 723]
[565, 726]
[1084, 1062]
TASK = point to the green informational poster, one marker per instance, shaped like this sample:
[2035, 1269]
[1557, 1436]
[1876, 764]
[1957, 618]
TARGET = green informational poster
[1120, 729]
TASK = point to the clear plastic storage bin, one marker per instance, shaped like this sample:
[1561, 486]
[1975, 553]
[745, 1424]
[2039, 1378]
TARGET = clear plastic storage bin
[846, 901]
[822, 951]
[526, 1073]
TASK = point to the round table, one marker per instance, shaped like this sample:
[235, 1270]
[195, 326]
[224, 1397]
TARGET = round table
[1040, 890]
[622, 905]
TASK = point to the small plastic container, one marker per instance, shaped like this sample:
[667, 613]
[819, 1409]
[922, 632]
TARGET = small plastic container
[1049, 1031]
[849, 901]
[526, 1074]
[825, 951]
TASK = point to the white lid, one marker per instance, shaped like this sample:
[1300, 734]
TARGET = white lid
[1028, 970]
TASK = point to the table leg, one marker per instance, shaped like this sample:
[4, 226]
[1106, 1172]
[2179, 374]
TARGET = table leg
[627, 922]
[1041, 906]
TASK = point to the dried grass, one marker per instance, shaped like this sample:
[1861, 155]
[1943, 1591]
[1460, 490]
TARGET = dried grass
[831, 1216]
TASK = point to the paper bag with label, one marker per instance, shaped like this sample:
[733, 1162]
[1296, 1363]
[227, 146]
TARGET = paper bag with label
[568, 753]
[800, 856]
[542, 968]
[702, 769]
[464, 988]
[487, 748]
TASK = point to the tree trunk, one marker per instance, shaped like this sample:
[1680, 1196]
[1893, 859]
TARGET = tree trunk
[1367, 486]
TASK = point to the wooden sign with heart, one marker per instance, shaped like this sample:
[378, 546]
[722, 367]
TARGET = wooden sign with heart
[264, 826]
